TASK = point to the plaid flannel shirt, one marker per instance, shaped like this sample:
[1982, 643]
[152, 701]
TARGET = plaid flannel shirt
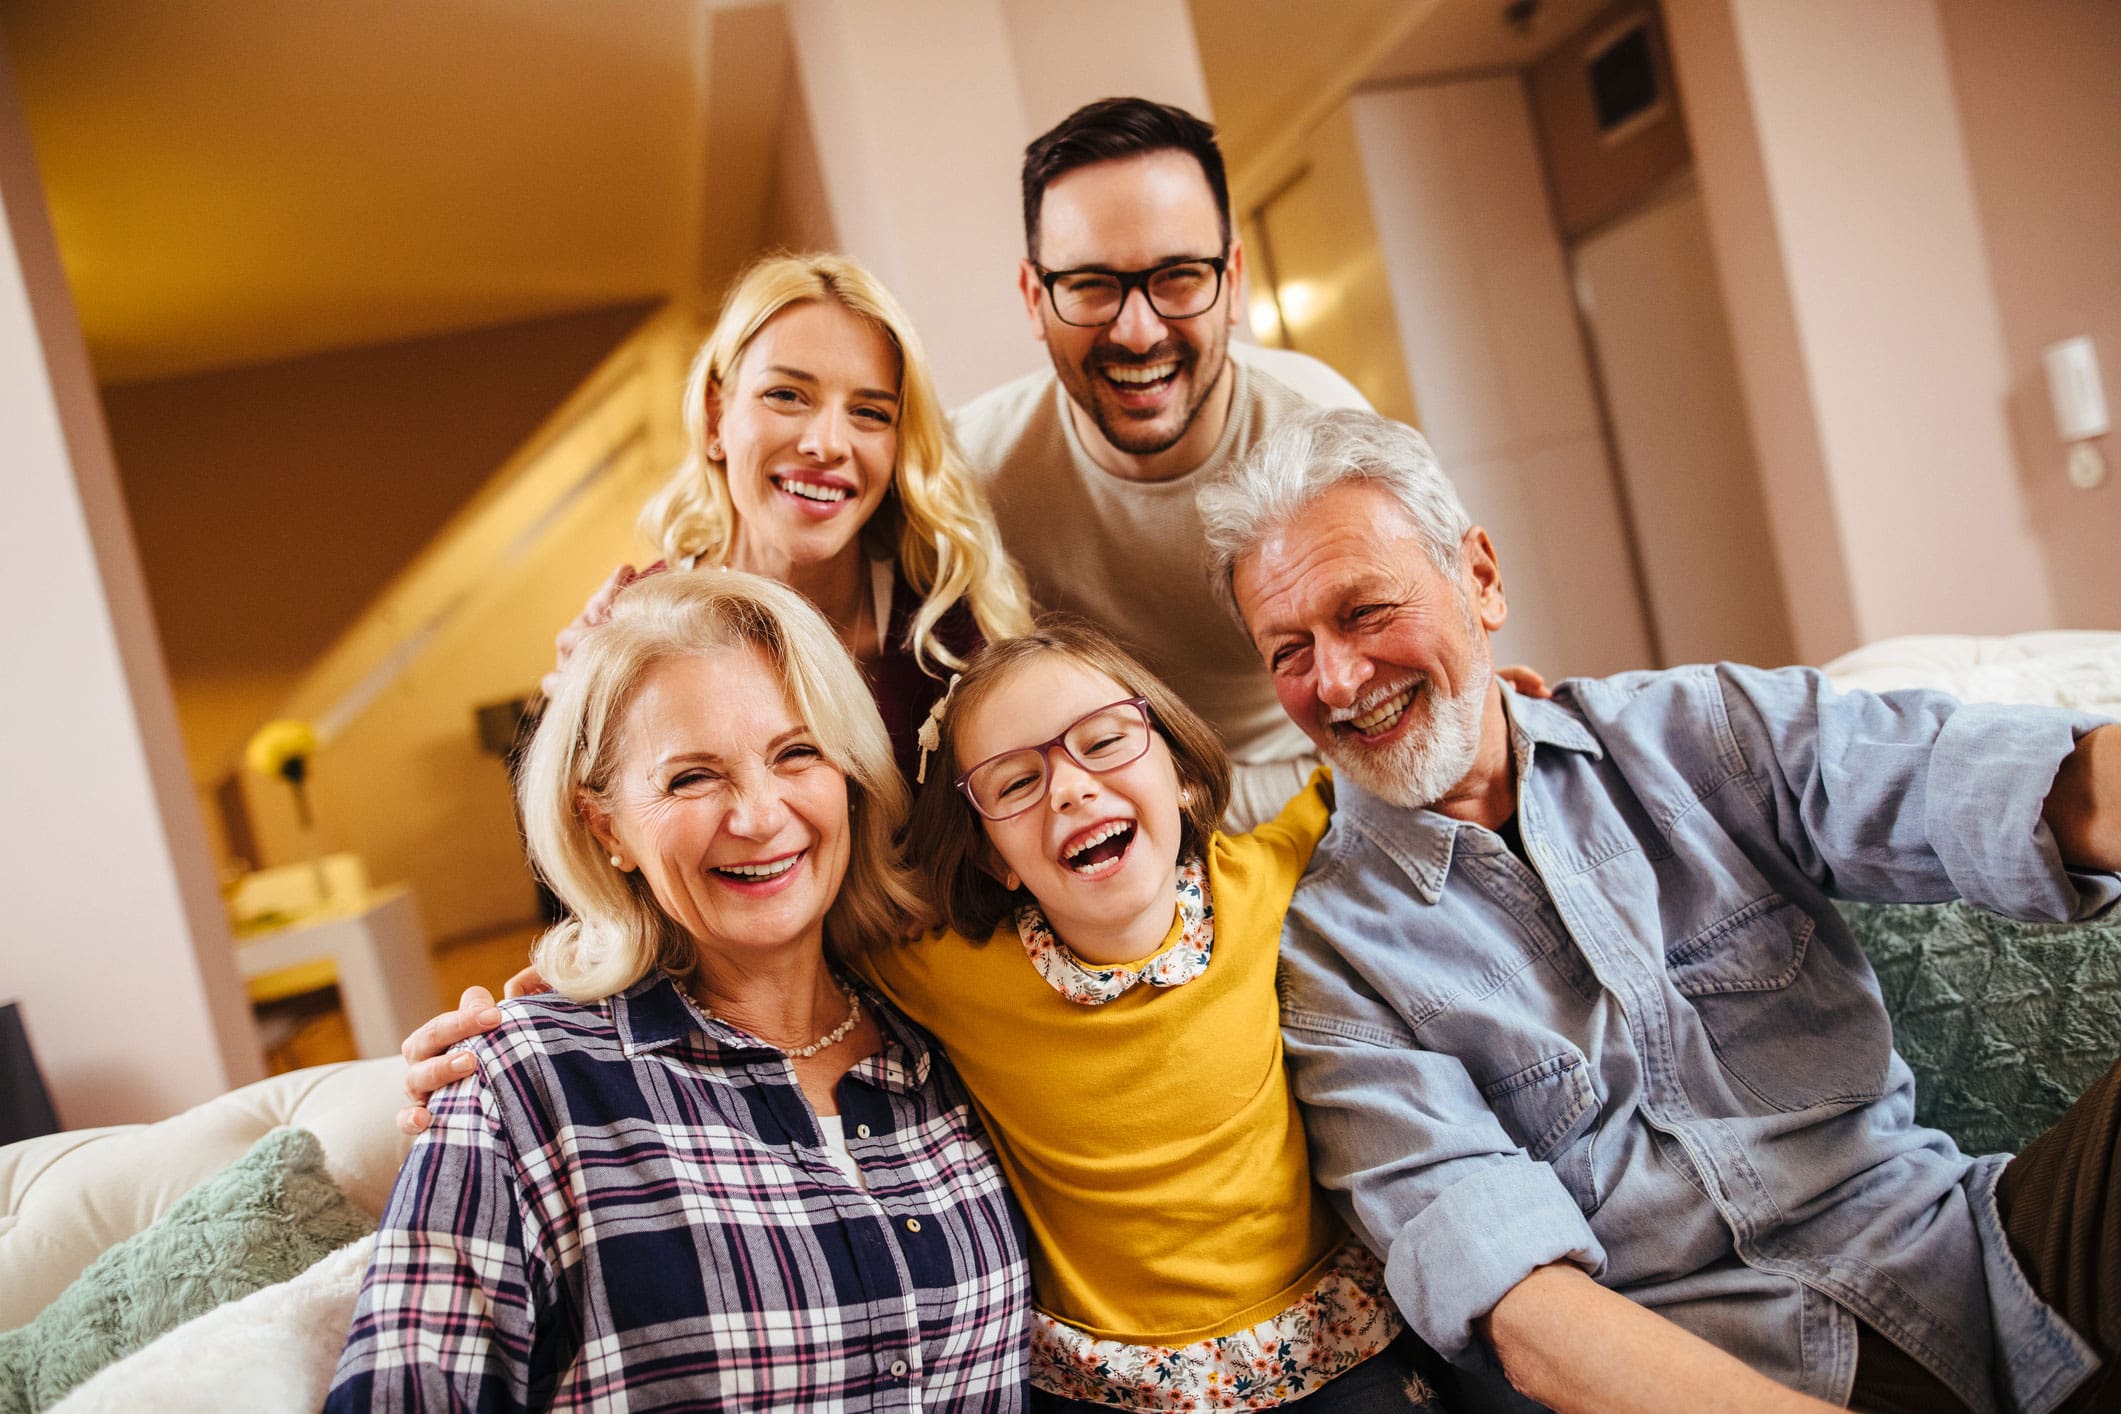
[634, 1209]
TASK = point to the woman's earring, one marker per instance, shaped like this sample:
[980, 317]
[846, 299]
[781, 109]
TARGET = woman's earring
[1011, 882]
[1185, 796]
[617, 863]
[714, 450]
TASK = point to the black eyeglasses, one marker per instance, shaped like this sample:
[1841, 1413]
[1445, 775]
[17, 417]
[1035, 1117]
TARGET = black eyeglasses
[1005, 786]
[1178, 289]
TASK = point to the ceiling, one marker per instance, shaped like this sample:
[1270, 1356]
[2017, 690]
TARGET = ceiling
[1461, 37]
[1278, 69]
[234, 181]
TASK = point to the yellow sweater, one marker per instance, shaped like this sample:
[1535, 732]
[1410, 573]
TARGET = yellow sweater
[1152, 1140]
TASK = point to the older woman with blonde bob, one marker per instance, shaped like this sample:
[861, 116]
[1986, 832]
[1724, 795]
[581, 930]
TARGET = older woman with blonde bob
[713, 1170]
[819, 456]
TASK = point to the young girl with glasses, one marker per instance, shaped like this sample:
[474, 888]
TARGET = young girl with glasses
[1105, 985]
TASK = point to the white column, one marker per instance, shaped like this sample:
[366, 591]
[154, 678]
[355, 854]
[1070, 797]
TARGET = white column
[1855, 271]
[920, 134]
[115, 942]
[1481, 293]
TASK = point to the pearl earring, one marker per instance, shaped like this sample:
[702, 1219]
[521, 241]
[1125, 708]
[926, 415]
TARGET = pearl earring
[617, 863]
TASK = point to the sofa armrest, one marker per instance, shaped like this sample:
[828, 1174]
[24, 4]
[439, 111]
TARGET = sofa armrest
[65, 1198]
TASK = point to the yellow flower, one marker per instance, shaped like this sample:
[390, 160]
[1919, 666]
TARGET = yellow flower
[279, 744]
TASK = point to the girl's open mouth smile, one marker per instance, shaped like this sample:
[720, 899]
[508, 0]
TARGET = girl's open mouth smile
[1099, 850]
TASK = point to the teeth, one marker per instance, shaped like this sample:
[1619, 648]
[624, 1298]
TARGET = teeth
[760, 871]
[812, 491]
[1097, 837]
[1154, 373]
[1383, 714]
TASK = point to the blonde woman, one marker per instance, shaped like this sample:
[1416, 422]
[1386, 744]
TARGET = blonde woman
[713, 1170]
[819, 456]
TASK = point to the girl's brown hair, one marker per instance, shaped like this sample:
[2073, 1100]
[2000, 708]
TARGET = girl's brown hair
[946, 839]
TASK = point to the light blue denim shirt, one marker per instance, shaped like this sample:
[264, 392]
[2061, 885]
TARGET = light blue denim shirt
[1657, 1052]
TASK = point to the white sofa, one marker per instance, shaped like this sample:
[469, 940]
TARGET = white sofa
[66, 1197]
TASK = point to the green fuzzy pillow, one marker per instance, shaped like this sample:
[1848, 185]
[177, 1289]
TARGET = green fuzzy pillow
[265, 1218]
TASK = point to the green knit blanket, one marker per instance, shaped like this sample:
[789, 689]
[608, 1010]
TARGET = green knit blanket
[2003, 1023]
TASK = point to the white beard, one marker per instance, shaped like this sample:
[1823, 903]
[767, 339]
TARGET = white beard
[1432, 757]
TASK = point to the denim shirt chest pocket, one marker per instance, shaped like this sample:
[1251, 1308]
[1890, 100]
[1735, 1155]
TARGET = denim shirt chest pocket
[1766, 979]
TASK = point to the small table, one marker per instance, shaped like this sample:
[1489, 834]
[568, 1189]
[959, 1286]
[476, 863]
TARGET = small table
[379, 950]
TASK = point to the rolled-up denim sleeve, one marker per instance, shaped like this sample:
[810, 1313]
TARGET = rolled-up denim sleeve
[1912, 797]
[1418, 1164]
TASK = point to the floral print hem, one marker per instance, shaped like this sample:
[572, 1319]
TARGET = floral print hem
[1174, 966]
[1342, 1321]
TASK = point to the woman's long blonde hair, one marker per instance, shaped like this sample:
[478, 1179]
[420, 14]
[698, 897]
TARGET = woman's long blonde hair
[619, 933]
[934, 521]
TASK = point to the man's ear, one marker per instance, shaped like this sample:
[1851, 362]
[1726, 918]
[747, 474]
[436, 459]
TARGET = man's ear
[1234, 283]
[1483, 579]
[599, 822]
[1034, 293]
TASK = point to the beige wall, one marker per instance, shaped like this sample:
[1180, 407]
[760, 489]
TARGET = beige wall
[114, 945]
[402, 778]
[1869, 340]
[272, 503]
[404, 782]
[2039, 90]
[1485, 318]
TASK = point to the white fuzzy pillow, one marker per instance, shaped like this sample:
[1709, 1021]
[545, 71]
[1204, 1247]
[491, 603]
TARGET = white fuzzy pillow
[275, 1349]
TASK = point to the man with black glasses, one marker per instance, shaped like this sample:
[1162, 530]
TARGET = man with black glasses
[1131, 280]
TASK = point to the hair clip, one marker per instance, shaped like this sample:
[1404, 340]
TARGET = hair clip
[930, 736]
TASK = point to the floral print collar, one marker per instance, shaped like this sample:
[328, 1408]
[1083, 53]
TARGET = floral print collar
[1092, 985]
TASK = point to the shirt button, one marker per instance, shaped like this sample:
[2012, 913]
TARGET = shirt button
[898, 1369]
[861, 1131]
[913, 1224]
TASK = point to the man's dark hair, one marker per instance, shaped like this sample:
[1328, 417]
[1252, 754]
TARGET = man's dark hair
[1119, 127]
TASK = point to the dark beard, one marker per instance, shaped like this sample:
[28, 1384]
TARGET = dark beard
[1140, 438]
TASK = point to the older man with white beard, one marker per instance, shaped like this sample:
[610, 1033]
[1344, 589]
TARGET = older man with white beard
[1584, 1047]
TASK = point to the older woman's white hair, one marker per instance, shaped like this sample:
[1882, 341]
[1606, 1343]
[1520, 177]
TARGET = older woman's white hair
[619, 933]
[1309, 456]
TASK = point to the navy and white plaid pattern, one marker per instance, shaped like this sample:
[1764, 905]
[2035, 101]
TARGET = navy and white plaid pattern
[635, 1210]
